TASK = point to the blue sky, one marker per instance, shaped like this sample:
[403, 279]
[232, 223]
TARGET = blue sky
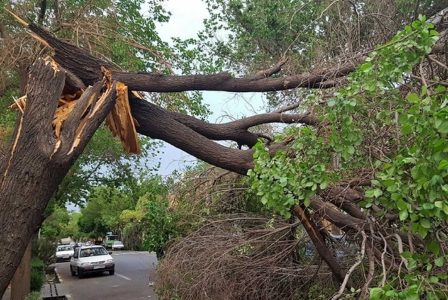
[185, 22]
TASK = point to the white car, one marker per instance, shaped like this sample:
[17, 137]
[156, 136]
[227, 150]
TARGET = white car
[117, 245]
[91, 259]
[64, 252]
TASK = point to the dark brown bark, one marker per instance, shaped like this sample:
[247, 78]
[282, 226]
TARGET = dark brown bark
[88, 69]
[156, 123]
[319, 243]
[42, 12]
[225, 82]
[37, 162]
[331, 213]
[26, 175]
[238, 130]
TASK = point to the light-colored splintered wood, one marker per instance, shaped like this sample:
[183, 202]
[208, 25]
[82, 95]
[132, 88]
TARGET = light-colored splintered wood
[19, 104]
[25, 24]
[13, 149]
[50, 61]
[61, 114]
[121, 123]
[77, 140]
[18, 19]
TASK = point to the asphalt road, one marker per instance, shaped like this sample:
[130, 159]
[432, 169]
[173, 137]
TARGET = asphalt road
[130, 282]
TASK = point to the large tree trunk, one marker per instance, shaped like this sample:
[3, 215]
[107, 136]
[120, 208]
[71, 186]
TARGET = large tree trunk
[21, 282]
[38, 161]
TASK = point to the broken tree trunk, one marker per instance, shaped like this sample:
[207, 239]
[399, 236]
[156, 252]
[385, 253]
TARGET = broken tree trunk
[38, 160]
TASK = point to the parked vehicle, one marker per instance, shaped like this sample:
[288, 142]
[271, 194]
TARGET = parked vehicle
[109, 240]
[64, 252]
[91, 259]
[117, 245]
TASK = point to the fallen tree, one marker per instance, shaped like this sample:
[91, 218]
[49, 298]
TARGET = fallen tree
[42, 169]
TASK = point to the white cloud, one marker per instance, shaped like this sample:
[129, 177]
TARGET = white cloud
[186, 19]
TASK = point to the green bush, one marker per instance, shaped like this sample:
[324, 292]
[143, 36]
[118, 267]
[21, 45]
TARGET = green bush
[37, 274]
[33, 296]
[44, 249]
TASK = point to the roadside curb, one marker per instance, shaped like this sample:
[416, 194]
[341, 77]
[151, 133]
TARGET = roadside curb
[57, 275]
[52, 289]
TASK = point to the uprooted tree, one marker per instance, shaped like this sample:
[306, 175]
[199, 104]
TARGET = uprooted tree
[353, 161]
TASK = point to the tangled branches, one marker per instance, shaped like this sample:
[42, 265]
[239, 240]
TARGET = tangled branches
[242, 256]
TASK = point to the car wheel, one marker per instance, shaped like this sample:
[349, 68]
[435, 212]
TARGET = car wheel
[112, 272]
[80, 273]
[71, 271]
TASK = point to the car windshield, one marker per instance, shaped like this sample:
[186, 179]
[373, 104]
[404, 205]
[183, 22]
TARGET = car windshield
[118, 243]
[64, 248]
[93, 252]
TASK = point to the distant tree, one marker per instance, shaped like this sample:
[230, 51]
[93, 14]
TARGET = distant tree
[55, 226]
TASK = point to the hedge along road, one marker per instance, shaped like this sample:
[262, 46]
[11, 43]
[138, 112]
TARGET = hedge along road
[133, 270]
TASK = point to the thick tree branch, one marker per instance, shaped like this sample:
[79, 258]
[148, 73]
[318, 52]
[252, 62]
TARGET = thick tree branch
[273, 117]
[238, 130]
[225, 82]
[157, 123]
[331, 213]
[319, 242]
[88, 69]
[20, 177]
[42, 12]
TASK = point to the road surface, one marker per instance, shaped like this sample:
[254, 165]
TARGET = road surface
[130, 282]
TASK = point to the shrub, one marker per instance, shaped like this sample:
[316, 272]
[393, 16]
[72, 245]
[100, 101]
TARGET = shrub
[37, 274]
[33, 296]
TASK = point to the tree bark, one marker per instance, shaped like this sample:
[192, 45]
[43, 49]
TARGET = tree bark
[21, 282]
[154, 122]
[37, 161]
[319, 243]
[88, 69]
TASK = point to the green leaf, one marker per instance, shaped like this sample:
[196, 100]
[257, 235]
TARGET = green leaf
[376, 293]
[331, 103]
[438, 204]
[434, 247]
[323, 185]
[443, 164]
[434, 279]
[307, 201]
[425, 223]
[403, 215]
[439, 261]
[377, 193]
[442, 125]
[413, 98]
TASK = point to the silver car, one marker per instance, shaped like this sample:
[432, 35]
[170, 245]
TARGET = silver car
[64, 252]
[117, 245]
[91, 259]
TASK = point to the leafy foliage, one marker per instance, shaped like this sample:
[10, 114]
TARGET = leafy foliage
[160, 225]
[37, 274]
[55, 226]
[411, 167]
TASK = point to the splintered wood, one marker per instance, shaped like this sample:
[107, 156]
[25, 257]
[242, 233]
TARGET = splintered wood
[65, 106]
[119, 121]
